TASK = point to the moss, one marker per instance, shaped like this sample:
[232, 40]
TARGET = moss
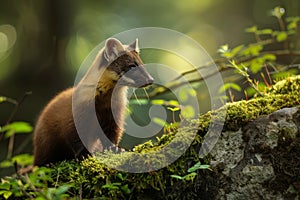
[291, 84]
[285, 93]
[91, 178]
[91, 174]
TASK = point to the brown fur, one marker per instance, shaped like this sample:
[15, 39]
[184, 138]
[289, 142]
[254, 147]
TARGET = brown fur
[55, 135]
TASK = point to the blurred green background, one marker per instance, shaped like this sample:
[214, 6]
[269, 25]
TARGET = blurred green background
[43, 42]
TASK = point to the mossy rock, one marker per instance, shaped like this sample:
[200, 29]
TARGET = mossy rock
[91, 178]
[159, 184]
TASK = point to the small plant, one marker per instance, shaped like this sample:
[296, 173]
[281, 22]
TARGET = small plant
[191, 172]
[249, 60]
[9, 131]
[174, 107]
[117, 186]
[33, 186]
[229, 87]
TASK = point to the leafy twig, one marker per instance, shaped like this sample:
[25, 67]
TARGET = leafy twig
[222, 67]
[11, 138]
[245, 74]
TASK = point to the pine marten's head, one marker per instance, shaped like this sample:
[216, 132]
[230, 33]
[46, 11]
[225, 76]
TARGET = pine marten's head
[124, 65]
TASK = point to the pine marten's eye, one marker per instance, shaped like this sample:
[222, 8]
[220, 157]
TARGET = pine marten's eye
[131, 66]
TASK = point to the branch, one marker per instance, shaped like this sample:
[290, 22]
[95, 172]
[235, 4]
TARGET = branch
[223, 66]
[12, 114]
[240, 60]
[177, 85]
[17, 105]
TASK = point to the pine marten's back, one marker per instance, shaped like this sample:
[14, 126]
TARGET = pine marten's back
[54, 130]
[55, 135]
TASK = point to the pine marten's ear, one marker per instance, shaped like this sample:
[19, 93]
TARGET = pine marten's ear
[134, 46]
[113, 49]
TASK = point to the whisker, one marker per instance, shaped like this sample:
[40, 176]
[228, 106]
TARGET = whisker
[146, 93]
[136, 97]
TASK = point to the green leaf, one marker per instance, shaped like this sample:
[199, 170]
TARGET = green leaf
[112, 186]
[236, 50]
[293, 19]
[195, 167]
[139, 101]
[223, 49]
[2, 99]
[173, 109]
[236, 87]
[281, 36]
[158, 102]
[23, 159]
[204, 167]
[292, 22]
[62, 189]
[188, 112]
[6, 194]
[262, 86]
[278, 12]
[227, 86]
[125, 189]
[198, 166]
[228, 53]
[253, 50]
[270, 57]
[159, 121]
[6, 163]
[265, 32]
[16, 127]
[292, 25]
[173, 103]
[4, 185]
[120, 176]
[160, 89]
[256, 65]
[252, 29]
[224, 87]
[176, 177]
[250, 91]
[190, 177]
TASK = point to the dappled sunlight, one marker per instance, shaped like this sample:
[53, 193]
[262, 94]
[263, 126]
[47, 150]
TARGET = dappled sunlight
[77, 50]
[8, 37]
[3, 42]
[196, 6]
[210, 37]
[175, 62]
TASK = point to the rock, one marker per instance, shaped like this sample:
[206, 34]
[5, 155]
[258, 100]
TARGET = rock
[261, 160]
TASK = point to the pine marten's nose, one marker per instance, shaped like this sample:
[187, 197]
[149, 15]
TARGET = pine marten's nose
[148, 82]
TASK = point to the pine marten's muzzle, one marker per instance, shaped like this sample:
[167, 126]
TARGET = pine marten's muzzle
[137, 77]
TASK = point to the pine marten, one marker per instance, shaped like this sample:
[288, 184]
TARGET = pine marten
[56, 136]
